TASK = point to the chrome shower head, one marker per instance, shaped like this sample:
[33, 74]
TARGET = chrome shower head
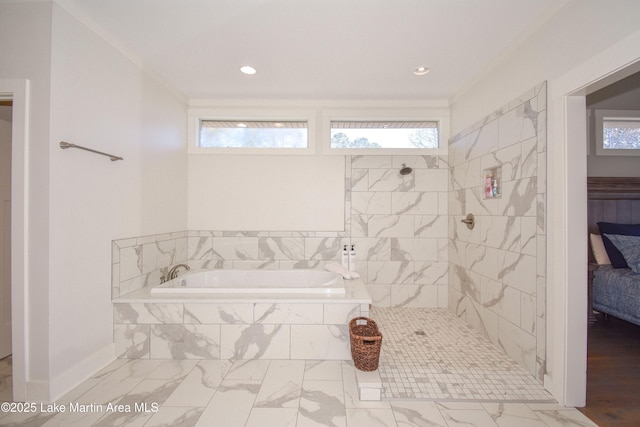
[406, 170]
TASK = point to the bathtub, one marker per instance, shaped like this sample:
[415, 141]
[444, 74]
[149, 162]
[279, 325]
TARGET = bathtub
[253, 282]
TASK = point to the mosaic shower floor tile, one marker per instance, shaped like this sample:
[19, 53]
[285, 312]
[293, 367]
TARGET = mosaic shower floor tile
[431, 354]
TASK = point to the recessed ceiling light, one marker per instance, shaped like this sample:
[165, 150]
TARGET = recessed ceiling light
[247, 69]
[241, 125]
[421, 71]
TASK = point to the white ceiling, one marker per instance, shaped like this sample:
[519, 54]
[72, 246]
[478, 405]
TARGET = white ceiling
[313, 49]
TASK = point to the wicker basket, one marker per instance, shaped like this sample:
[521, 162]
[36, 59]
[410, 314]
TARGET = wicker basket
[366, 341]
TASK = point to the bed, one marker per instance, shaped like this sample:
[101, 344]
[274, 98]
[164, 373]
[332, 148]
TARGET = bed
[614, 258]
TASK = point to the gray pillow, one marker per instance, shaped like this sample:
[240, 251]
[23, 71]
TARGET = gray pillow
[629, 246]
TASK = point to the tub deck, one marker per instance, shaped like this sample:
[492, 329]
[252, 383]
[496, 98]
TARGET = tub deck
[237, 326]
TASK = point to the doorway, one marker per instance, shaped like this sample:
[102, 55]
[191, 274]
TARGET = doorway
[6, 107]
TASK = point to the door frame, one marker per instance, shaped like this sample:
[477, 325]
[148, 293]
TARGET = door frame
[18, 91]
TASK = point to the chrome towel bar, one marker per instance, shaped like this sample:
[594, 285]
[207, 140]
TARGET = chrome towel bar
[65, 145]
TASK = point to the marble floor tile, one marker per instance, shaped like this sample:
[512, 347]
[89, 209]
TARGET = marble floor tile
[293, 393]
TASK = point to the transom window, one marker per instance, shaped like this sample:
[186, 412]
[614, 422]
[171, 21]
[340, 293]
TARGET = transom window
[383, 134]
[253, 134]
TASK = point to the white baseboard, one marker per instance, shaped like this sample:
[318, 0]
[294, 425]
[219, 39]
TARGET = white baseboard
[75, 375]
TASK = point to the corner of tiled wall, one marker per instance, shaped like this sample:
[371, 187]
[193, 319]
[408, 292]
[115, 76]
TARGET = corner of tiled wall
[497, 275]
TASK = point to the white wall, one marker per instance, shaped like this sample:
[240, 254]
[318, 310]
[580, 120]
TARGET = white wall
[574, 48]
[101, 100]
[268, 193]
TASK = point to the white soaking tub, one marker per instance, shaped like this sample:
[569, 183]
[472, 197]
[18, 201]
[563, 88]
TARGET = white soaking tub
[253, 282]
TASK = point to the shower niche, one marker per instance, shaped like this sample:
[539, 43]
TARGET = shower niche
[492, 185]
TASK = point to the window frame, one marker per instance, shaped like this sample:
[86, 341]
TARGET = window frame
[600, 116]
[441, 117]
[197, 116]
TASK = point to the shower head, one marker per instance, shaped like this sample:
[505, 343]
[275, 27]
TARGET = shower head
[406, 170]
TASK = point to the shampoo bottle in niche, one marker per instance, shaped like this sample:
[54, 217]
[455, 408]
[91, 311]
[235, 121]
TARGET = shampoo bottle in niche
[352, 258]
[345, 257]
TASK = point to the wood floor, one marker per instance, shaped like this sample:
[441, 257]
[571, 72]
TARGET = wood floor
[613, 373]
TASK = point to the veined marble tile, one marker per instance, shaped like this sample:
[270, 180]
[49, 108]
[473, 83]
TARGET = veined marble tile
[390, 226]
[231, 404]
[482, 141]
[368, 202]
[253, 369]
[282, 385]
[148, 313]
[432, 226]
[414, 249]
[431, 273]
[218, 313]
[172, 369]
[351, 396]
[467, 417]
[519, 197]
[368, 162]
[414, 296]
[420, 162]
[340, 314]
[326, 342]
[431, 179]
[201, 384]
[517, 270]
[322, 404]
[529, 158]
[511, 414]
[281, 248]
[287, 314]
[364, 417]
[462, 232]
[388, 180]
[170, 416]
[528, 313]
[485, 321]
[418, 414]
[323, 370]
[395, 272]
[150, 391]
[482, 260]
[509, 159]
[131, 341]
[359, 180]
[157, 255]
[501, 299]
[458, 202]
[255, 341]
[519, 345]
[528, 230]
[372, 249]
[235, 248]
[185, 342]
[119, 383]
[272, 417]
[477, 205]
[413, 203]
[380, 294]
[130, 262]
[564, 418]
[200, 248]
[502, 232]
[518, 125]
[323, 248]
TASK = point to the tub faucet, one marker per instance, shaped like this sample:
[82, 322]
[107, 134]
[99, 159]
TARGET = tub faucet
[173, 273]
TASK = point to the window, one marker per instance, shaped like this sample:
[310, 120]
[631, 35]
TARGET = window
[252, 131]
[253, 134]
[618, 132]
[385, 132]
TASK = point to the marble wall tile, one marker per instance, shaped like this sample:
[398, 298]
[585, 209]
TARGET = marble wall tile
[431, 273]
[147, 313]
[218, 313]
[414, 202]
[371, 202]
[509, 159]
[255, 341]
[200, 247]
[340, 314]
[288, 314]
[431, 226]
[185, 342]
[415, 296]
[131, 341]
[388, 180]
[518, 344]
[280, 248]
[130, 262]
[235, 248]
[390, 226]
[414, 249]
[431, 179]
[323, 248]
[395, 272]
[325, 342]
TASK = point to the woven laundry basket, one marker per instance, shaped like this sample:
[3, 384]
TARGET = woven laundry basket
[366, 341]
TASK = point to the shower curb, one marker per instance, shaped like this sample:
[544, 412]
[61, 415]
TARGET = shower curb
[369, 385]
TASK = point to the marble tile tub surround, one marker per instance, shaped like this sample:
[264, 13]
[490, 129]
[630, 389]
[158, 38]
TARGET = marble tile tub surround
[497, 272]
[397, 223]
